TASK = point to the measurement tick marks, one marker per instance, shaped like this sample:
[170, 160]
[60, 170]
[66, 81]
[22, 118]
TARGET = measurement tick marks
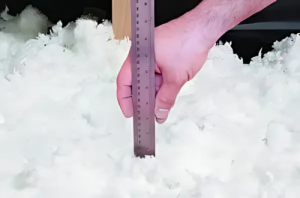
[143, 76]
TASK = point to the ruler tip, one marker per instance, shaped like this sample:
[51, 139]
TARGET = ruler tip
[143, 152]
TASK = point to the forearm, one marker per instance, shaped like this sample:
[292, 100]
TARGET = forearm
[212, 18]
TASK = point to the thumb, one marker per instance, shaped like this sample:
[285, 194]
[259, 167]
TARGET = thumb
[166, 96]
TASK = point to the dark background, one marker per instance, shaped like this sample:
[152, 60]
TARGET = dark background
[245, 43]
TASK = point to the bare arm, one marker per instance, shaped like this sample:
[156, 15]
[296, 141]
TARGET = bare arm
[212, 18]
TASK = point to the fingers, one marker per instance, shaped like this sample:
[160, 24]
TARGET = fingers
[166, 96]
[168, 86]
[124, 89]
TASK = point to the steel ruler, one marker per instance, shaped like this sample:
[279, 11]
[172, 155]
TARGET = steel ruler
[143, 76]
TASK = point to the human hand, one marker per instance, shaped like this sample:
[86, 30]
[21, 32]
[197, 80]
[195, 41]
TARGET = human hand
[179, 57]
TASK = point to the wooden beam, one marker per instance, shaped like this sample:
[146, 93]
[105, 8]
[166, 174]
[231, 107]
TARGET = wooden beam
[121, 20]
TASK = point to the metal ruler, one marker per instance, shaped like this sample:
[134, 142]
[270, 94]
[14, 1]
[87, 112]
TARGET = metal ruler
[143, 76]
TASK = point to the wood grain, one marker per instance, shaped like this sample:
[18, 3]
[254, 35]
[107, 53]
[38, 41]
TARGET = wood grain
[121, 19]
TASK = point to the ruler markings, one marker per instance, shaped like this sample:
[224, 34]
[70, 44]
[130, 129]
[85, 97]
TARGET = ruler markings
[143, 76]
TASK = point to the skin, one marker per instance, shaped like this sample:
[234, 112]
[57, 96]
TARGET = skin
[181, 48]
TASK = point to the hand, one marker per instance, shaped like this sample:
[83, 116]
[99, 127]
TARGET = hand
[179, 56]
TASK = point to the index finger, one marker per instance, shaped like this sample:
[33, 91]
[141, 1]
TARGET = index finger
[124, 84]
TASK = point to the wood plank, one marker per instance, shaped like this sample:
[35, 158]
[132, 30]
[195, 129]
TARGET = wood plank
[121, 19]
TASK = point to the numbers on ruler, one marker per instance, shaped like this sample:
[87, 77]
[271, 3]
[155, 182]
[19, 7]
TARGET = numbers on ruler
[141, 69]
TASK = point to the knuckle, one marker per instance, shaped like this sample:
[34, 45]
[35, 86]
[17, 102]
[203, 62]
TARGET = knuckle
[168, 102]
[178, 79]
[181, 81]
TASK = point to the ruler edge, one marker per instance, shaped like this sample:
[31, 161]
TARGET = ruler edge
[152, 72]
[133, 80]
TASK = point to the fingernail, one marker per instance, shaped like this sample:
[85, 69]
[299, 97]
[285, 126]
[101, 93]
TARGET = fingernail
[163, 110]
[162, 113]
